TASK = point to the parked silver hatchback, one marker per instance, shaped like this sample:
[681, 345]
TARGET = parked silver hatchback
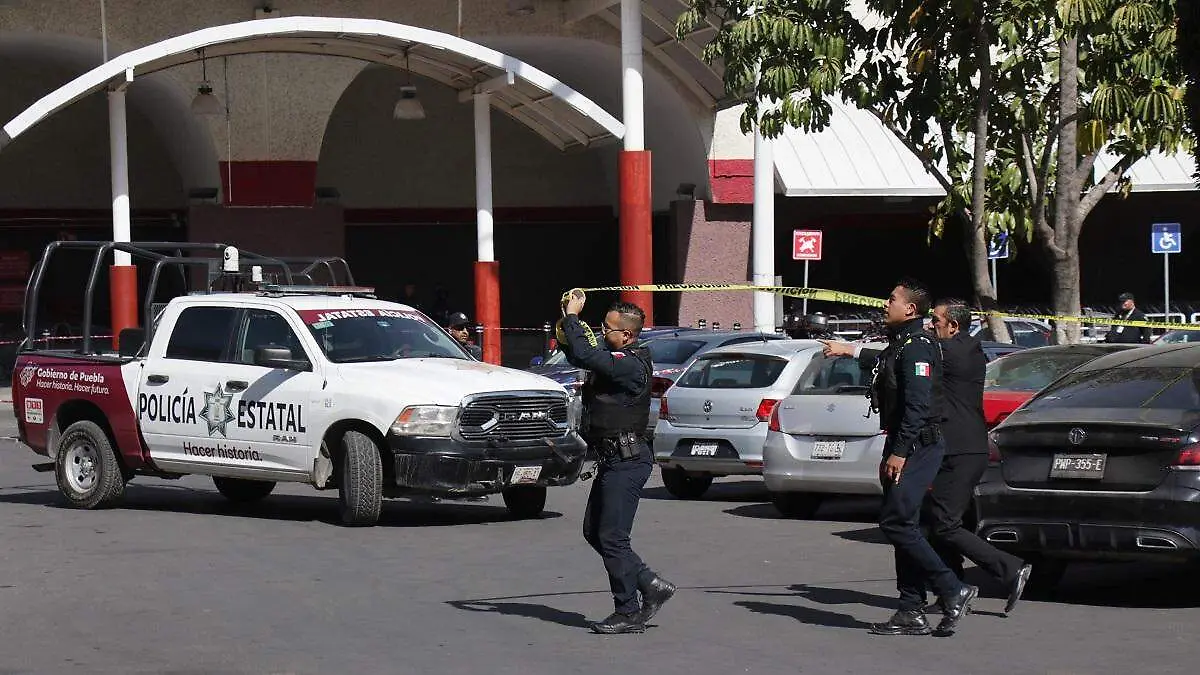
[821, 440]
[713, 420]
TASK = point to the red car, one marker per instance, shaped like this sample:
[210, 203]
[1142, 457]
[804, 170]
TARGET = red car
[1014, 379]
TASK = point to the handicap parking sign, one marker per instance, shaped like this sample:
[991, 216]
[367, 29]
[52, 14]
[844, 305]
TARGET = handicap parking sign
[998, 246]
[1166, 238]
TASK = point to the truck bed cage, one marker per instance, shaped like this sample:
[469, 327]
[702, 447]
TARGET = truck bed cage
[330, 264]
[160, 253]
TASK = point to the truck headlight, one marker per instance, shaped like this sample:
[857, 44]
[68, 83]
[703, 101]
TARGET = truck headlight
[426, 420]
[574, 412]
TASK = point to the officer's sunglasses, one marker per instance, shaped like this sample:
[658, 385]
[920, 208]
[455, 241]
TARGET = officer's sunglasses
[605, 330]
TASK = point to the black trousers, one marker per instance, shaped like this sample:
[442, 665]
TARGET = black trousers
[608, 522]
[918, 566]
[944, 509]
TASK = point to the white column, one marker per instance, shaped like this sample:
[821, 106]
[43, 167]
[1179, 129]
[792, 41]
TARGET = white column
[484, 231]
[762, 232]
[119, 157]
[632, 94]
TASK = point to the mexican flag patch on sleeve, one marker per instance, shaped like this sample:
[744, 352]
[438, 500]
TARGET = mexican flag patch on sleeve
[922, 369]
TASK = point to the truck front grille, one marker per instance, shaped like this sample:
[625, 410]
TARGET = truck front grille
[514, 418]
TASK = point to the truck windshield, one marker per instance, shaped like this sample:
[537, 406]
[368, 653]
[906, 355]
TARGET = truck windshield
[361, 335]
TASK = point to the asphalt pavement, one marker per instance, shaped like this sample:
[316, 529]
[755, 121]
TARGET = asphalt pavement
[178, 581]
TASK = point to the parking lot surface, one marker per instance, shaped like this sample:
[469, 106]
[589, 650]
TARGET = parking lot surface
[178, 581]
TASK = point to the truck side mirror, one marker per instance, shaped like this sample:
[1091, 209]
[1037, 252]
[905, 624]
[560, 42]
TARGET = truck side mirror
[279, 357]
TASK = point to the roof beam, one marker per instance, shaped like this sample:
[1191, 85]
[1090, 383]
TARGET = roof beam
[575, 11]
[487, 86]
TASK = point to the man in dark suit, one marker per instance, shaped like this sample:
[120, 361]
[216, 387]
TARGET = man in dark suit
[1128, 334]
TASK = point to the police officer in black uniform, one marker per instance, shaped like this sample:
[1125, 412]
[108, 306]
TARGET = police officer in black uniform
[907, 392]
[457, 325]
[616, 402]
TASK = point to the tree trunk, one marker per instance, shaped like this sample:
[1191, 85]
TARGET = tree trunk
[985, 293]
[1067, 186]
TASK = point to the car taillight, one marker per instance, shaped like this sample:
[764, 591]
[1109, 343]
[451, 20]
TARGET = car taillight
[1189, 456]
[659, 386]
[663, 411]
[774, 426]
[766, 408]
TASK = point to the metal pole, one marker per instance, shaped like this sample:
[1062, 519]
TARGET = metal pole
[995, 278]
[636, 243]
[104, 30]
[1166, 287]
[804, 303]
[762, 231]
[484, 225]
[632, 93]
[119, 157]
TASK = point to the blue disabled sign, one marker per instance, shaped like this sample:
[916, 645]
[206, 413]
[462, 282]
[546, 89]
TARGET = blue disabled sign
[998, 246]
[1166, 238]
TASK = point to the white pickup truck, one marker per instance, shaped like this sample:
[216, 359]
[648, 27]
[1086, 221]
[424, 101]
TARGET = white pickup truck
[334, 390]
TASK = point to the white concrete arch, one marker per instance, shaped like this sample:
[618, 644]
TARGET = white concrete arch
[558, 113]
[159, 97]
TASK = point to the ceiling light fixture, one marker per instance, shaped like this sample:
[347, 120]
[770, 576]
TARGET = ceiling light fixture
[205, 102]
[409, 106]
[521, 7]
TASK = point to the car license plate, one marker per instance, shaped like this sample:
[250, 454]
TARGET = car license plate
[523, 475]
[1079, 466]
[828, 449]
[704, 448]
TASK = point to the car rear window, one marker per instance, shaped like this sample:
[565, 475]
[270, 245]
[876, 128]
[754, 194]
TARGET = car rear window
[832, 376]
[1156, 388]
[733, 371]
[671, 350]
[1031, 371]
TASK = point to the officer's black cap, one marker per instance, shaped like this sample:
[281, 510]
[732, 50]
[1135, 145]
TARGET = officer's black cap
[1125, 296]
[456, 320]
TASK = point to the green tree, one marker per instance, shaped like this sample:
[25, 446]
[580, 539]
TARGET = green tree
[1188, 44]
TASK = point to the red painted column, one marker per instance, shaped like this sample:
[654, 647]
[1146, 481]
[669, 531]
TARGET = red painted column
[637, 245]
[122, 280]
[487, 308]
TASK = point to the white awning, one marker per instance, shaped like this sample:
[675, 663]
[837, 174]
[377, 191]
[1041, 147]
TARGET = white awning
[857, 156]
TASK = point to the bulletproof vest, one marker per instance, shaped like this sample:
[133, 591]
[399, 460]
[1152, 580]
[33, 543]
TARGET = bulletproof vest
[885, 386]
[612, 409]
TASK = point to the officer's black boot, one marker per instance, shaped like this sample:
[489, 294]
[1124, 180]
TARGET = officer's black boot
[620, 623]
[904, 622]
[956, 607]
[655, 593]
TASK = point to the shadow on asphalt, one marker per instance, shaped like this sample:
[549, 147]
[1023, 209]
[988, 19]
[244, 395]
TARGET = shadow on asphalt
[809, 615]
[834, 509]
[822, 595]
[525, 609]
[293, 508]
[751, 490]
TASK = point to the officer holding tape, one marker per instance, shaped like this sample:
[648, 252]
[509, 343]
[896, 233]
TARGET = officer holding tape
[907, 391]
[616, 402]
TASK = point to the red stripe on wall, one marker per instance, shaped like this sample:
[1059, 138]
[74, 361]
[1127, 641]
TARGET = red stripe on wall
[732, 180]
[269, 183]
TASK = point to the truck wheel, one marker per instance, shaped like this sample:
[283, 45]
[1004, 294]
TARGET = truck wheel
[242, 491]
[360, 488]
[802, 505]
[683, 486]
[1047, 574]
[86, 468]
[525, 501]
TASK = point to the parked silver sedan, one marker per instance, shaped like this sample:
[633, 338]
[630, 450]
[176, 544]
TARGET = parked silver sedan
[821, 441]
[713, 420]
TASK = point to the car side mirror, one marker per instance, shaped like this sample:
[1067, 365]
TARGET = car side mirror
[536, 361]
[279, 357]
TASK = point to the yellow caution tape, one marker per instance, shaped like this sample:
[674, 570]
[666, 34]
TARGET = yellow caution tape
[825, 295]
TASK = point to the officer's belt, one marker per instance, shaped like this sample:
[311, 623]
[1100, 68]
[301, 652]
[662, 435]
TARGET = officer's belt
[623, 446]
[930, 434]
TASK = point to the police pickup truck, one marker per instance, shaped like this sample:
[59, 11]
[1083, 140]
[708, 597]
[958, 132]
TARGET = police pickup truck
[324, 386]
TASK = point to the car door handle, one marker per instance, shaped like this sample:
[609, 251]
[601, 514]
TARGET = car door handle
[236, 385]
[157, 379]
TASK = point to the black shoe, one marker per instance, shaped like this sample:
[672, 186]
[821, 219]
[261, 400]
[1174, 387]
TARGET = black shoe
[654, 596]
[620, 623]
[904, 622]
[956, 607]
[1018, 587]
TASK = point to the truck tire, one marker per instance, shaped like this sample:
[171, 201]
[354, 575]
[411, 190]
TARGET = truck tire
[800, 505]
[525, 501]
[86, 468]
[683, 486]
[360, 487]
[243, 491]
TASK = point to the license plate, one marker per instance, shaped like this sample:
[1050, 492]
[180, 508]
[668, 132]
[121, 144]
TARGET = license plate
[525, 474]
[704, 449]
[1079, 466]
[828, 449]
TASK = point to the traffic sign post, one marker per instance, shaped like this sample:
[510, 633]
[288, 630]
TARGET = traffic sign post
[997, 250]
[806, 246]
[1166, 238]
